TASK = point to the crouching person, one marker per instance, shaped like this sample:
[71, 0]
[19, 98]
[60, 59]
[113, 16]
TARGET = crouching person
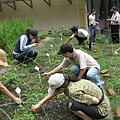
[85, 99]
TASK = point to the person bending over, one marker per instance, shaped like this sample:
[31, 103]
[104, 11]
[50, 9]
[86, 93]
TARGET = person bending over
[23, 51]
[85, 66]
[85, 99]
[81, 35]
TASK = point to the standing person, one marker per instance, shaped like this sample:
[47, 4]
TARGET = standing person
[3, 62]
[85, 99]
[92, 26]
[85, 66]
[23, 51]
[115, 21]
[81, 35]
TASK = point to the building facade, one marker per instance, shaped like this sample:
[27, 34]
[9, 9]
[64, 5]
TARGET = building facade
[54, 14]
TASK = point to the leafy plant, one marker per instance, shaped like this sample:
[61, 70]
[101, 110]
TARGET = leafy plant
[10, 30]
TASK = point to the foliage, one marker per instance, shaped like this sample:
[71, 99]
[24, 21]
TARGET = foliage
[34, 86]
[10, 30]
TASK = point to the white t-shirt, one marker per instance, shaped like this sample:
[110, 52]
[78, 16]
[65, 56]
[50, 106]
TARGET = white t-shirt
[115, 16]
[81, 33]
[92, 19]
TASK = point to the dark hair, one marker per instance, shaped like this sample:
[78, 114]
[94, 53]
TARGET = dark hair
[65, 48]
[67, 81]
[74, 28]
[93, 10]
[27, 32]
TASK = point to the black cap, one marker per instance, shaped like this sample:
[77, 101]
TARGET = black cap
[34, 33]
[113, 8]
[65, 48]
[74, 28]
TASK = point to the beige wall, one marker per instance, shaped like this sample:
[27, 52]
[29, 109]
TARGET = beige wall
[60, 14]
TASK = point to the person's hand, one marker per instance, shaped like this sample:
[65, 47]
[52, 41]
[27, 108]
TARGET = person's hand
[34, 44]
[36, 107]
[17, 100]
[37, 40]
[109, 19]
[97, 23]
[45, 74]
[115, 53]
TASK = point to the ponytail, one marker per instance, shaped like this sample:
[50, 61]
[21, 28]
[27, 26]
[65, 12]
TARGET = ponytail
[27, 32]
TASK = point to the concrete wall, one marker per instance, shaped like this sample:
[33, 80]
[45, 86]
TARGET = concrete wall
[60, 14]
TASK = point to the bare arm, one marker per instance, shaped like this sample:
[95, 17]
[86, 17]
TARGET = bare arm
[38, 105]
[58, 68]
[9, 94]
[68, 40]
[95, 100]
[109, 20]
[82, 71]
[118, 49]
[88, 37]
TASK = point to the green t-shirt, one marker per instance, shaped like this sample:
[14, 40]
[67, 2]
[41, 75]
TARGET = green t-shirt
[83, 91]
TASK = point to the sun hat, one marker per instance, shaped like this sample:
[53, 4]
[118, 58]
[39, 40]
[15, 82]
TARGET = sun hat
[3, 60]
[34, 33]
[65, 48]
[55, 81]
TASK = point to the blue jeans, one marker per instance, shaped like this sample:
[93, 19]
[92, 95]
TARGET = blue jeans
[90, 74]
[92, 33]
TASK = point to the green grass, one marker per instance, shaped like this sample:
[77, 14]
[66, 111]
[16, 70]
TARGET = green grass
[35, 88]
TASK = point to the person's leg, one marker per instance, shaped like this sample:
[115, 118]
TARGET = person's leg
[92, 75]
[91, 33]
[76, 70]
[30, 55]
[82, 115]
[116, 35]
[87, 112]
[34, 54]
[113, 33]
[94, 34]
[9, 94]
[90, 45]
[20, 57]
[79, 39]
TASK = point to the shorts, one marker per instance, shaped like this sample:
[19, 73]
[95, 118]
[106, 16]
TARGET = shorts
[90, 110]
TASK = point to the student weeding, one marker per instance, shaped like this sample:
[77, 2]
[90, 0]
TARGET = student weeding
[23, 51]
[85, 99]
[85, 66]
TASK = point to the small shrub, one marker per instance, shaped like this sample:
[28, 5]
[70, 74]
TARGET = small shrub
[11, 30]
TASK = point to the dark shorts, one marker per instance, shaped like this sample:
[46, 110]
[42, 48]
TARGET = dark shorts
[91, 110]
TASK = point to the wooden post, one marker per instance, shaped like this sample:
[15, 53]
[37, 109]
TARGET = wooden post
[82, 13]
